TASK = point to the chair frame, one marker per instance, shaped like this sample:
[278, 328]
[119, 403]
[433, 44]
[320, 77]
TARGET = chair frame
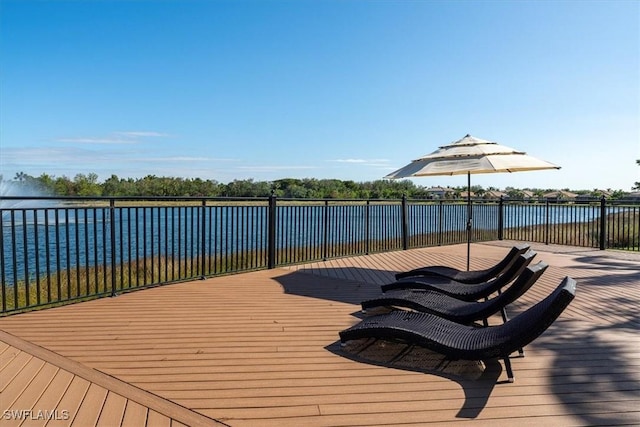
[475, 276]
[457, 341]
[466, 292]
[456, 310]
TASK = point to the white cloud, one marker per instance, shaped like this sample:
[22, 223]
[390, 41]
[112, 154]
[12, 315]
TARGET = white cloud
[129, 137]
[143, 134]
[362, 161]
[182, 159]
[46, 155]
[273, 168]
[349, 160]
[97, 140]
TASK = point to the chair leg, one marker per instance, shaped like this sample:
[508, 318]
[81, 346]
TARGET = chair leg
[503, 311]
[507, 365]
[505, 318]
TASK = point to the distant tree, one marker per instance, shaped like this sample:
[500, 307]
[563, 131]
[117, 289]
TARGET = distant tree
[63, 186]
[636, 185]
[514, 193]
[112, 187]
[152, 185]
[618, 194]
[538, 192]
[87, 185]
[246, 188]
[45, 184]
[198, 187]
[595, 193]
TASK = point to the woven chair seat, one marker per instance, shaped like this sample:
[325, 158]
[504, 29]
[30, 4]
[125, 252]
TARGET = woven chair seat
[467, 292]
[458, 341]
[476, 276]
[454, 309]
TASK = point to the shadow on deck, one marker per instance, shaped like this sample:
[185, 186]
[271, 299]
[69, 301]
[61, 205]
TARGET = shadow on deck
[262, 349]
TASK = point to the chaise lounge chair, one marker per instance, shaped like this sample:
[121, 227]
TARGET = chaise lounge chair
[466, 292]
[457, 341]
[476, 276]
[448, 307]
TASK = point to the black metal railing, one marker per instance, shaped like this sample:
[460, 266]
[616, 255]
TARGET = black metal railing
[59, 250]
[603, 224]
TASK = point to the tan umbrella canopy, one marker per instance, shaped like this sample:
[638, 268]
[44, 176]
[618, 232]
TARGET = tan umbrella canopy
[471, 155]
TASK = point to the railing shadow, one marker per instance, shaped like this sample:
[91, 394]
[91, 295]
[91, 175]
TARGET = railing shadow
[598, 262]
[590, 372]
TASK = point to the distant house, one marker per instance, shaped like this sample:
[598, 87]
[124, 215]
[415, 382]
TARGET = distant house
[439, 192]
[494, 194]
[594, 195]
[584, 198]
[526, 194]
[634, 196]
[561, 195]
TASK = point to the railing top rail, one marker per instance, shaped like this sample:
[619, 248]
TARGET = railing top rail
[133, 198]
[85, 199]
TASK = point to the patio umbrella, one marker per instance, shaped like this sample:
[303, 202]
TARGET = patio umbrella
[471, 155]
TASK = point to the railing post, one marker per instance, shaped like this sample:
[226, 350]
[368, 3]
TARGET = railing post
[271, 254]
[603, 223]
[325, 236]
[546, 229]
[203, 237]
[112, 222]
[501, 218]
[405, 223]
[440, 221]
[366, 227]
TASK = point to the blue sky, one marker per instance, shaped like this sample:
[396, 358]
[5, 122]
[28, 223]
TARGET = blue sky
[353, 90]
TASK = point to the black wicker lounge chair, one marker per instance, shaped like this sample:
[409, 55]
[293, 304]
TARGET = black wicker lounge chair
[448, 307]
[466, 292]
[457, 341]
[476, 276]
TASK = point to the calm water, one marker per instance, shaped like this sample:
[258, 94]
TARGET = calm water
[62, 238]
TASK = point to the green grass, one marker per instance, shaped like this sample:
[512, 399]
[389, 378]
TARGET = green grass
[586, 234]
[80, 284]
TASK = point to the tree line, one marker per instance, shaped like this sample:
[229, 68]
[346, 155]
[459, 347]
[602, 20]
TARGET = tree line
[88, 185]
[157, 186]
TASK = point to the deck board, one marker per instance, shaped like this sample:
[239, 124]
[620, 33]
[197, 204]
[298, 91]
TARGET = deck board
[112, 411]
[261, 349]
[51, 396]
[91, 406]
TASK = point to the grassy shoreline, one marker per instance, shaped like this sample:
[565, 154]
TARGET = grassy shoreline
[80, 284]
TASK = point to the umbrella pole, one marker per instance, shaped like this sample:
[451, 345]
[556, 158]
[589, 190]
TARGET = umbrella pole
[469, 219]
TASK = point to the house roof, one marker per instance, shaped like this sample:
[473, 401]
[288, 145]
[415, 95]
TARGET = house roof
[561, 194]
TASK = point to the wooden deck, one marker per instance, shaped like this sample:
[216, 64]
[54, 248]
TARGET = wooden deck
[261, 349]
